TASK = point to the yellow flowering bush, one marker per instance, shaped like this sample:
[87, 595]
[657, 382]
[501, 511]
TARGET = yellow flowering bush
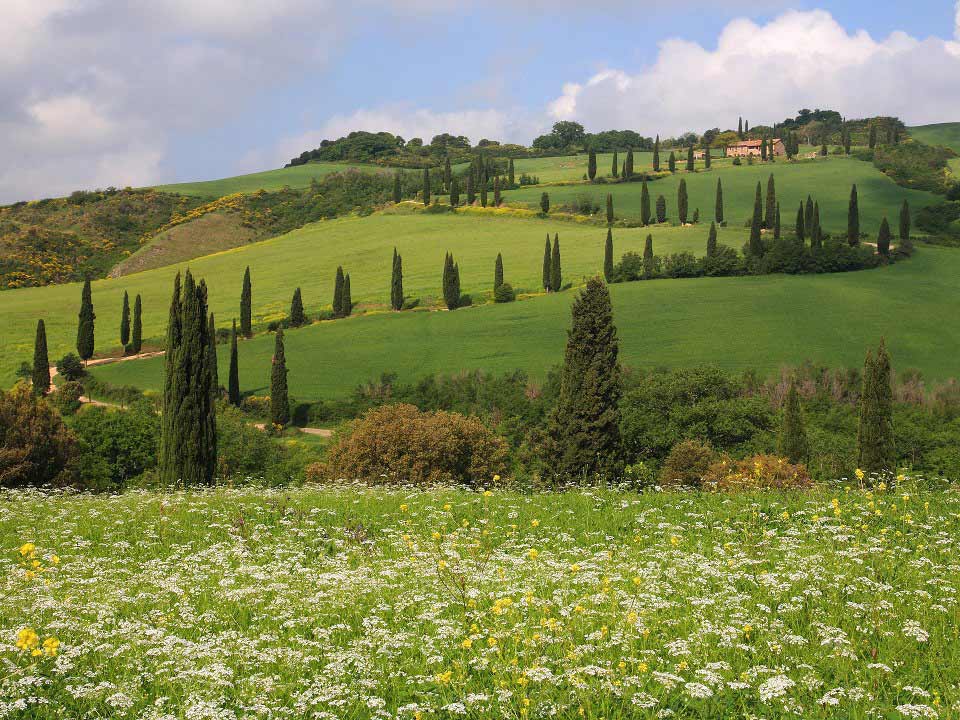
[760, 472]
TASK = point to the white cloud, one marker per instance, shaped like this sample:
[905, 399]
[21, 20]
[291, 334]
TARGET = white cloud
[766, 73]
[956, 29]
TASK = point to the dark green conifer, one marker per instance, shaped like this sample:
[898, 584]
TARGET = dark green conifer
[498, 272]
[584, 427]
[873, 136]
[279, 395]
[718, 211]
[800, 230]
[451, 283]
[615, 165]
[297, 316]
[706, 157]
[661, 209]
[483, 194]
[556, 278]
[136, 336]
[496, 191]
[346, 302]
[85, 323]
[214, 370]
[763, 149]
[672, 162]
[792, 443]
[544, 203]
[644, 202]
[853, 218]
[690, 164]
[883, 238]
[656, 154]
[609, 209]
[712, 240]
[876, 451]
[808, 215]
[815, 232]
[447, 173]
[546, 264]
[740, 128]
[454, 192]
[125, 320]
[338, 293]
[771, 204]
[776, 224]
[608, 257]
[41, 362]
[648, 257]
[396, 282]
[682, 202]
[628, 165]
[233, 381]
[246, 299]
[756, 244]
[426, 186]
[592, 164]
[511, 175]
[905, 221]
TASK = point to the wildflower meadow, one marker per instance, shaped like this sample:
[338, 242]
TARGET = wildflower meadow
[352, 602]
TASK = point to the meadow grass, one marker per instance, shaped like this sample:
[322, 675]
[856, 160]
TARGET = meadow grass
[359, 603]
[309, 257]
[828, 180]
[741, 323]
[296, 177]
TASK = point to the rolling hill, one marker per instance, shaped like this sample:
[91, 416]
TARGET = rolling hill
[946, 134]
[293, 177]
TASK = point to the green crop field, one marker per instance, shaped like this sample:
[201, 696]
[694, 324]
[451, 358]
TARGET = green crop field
[946, 134]
[294, 177]
[734, 323]
[828, 180]
[308, 258]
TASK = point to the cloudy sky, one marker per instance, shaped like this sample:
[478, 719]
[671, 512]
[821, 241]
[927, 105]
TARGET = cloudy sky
[103, 92]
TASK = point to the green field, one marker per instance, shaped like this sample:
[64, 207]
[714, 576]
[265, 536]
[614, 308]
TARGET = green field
[308, 258]
[946, 134]
[352, 602]
[828, 180]
[734, 323]
[295, 177]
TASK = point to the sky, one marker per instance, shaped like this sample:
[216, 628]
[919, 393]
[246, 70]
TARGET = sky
[96, 93]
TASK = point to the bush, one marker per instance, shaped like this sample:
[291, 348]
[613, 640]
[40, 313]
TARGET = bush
[737, 161]
[36, 448]
[116, 446]
[760, 472]
[66, 398]
[400, 444]
[246, 453]
[258, 406]
[504, 293]
[71, 367]
[687, 463]
[681, 265]
[465, 301]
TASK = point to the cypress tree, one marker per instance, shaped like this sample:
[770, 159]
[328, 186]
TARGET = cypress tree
[615, 165]
[808, 215]
[756, 244]
[771, 204]
[584, 427]
[592, 164]
[776, 224]
[656, 154]
[498, 272]
[800, 229]
[706, 157]
[85, 323]
[496, 191]
[718, 211]
[648, 257]
[546, 264]
[41, 362]
[672, 162]
[793, 443]
[397, 195]
[454, 193]
[905, 221]
[712, 240]
[556, 278]
[545, 203]
[125, 320]
[873, 137]
[883, 238]
[471, 195]
[451, 292]
[511, 176]
[447, 172]
[609, 209]
[690, 163]
[876, 451]
[746, 127]
[346, 302]
[661, 209]
[644, 202]
[623, 169]
[740, 128]
[628, 165]
[338, 293]
[426, 186]
[246, 297]
[763, 149]
[682, 202]
[816, 233]
[483, 194]
[233, 381]
[214, 370]
[188, 441]
[279, 396]
[608, 257]
[396, 282]
[136, 336]
[297, 316]
[846, 141]
[853, 218]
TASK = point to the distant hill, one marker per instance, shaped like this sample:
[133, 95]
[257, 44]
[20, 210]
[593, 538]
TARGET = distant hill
[946, 134]
[296, 178]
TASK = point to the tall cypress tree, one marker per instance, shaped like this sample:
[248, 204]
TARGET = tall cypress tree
[746, 127]
[872, 141]
[346, 302]
[233, 381]
[447, 172]
[454, 192]
[763, 149]
[853, 218]
[740, 128]
[556, 277]
[648, 257]
[451, 289]
[756, 244]
[846, 141]
[609, 209]
[682, 202]
[136, 336]
[545, 203]
[584, 427]
[85, 323]
[615, 165]
[808, 215]
[661, 209]
[496, 191]
[397, 194]
[776, 224]
[279, 395]
[656, 154]
[498, 272]
[426, 186]
[644, 202]
[483, 194]
[592, 164]
[297, 315]
[706, 157]
[792, 443]
[883, 238]
[608, 256]
[214, 370]
[718, 210]
[771, 204]
[905, 221]
[628, 165]
[876, 451]
[125, 320]
[800, 229]
[188, 441]
[471, 195]
[546, 264]
[41, 362]
[712, 240]
[672, 162]
[511, 175]
[338, 293]
[816, 234]
[690, 163]
[246, 297]
[396, 282]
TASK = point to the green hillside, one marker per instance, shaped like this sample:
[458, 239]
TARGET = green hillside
[828, 180]
[294, 177]
[946, 134]
[735, 323]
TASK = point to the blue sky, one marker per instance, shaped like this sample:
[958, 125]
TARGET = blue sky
[94, 93]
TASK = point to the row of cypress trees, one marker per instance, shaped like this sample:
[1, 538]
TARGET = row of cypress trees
[552, 279]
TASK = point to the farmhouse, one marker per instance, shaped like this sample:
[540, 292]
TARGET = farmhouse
[742, 148]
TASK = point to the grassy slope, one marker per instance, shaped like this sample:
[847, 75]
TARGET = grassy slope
[294, 177]
[308, 258]
[947, 134]
[734, 323]
[828, 180]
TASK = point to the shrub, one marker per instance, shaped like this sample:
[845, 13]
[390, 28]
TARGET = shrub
[737, 161]
[401, 444]
[681, 265]
[687, 463]
[504, 293]
[244, 452]
[71, 367]
[116, 445]
[258, 406]
[66, 398]
[36, 448]
[760, 472]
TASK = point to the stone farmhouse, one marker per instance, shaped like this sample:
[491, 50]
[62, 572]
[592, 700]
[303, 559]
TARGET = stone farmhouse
[743, 148]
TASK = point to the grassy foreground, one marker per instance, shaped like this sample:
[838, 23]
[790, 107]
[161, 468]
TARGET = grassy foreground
[359, 603]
